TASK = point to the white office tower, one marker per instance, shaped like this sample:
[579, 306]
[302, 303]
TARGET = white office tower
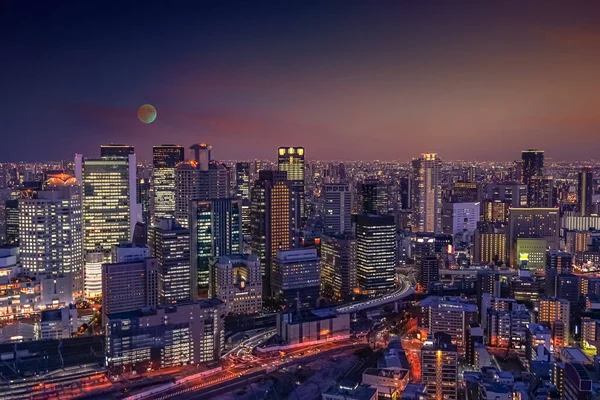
[236, 280]
[337, 208]
[427, 193]
[51, 240]
[93, 274]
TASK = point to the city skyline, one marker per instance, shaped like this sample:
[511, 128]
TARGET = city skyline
[347, 80]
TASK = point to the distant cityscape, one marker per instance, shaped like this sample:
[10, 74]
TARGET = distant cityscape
[190, 277]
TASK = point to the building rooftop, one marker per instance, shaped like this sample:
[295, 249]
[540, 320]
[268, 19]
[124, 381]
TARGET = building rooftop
[451, 303]
[352, 391]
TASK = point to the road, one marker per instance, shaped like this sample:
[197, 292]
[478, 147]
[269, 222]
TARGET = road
[234, 377]
[405, 289]
[246, 346]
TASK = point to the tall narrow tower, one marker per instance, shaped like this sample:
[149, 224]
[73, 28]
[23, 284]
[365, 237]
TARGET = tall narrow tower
[164, 160]
[291, 160]
[427, 200]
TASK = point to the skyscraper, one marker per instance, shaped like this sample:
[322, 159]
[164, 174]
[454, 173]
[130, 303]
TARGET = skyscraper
[291, 160]
[337, 208]
[427, 196]
[338, 266]
[557, 263]
[490, 243]
[242, 180]
[200, 179]
[129, 286]
[187, 188]
[533, 223]
[439, 367]
[554, 312]
[271, 218]
[169, 243]
[376, 250]
[296, 274]
[215, 229]
[426, 259]
[242, 192]
[585, 192]
[542, 191]
[110, 208]
[116, 150]
[51, 235]
[373, 197]
[164, 160]
[533, 165]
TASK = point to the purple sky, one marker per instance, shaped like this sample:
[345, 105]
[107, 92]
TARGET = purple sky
[347, 80]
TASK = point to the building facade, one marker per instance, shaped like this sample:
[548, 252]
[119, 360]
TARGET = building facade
[236, 280]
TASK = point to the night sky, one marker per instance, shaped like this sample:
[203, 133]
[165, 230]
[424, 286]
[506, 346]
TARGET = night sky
[348, 80]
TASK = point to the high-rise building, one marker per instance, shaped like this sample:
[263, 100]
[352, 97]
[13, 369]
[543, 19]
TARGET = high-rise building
[129, 286]
[242, 180]
[533, 165]
[242, 192]
[585, 192]
[490, 245]
[513, 194]
[236, 280]
[533, 223]
[296, 274]
[200, 153]
[93, 274]
[337, 208]
[376, 250]
[542, 192]
[143, 199]
[427, 194]
[199, 179]
[164, 160]
[439, 368]
[116, 150]
[271, 219]
[447, 314]
[110, 208]
[169, 244]
[215, 229]
[525, 289]
[291, 160]
[557, 263]
[373, 197]
[406, 192]
[338, 266]
[553, 311]
[427, 260]
[126, 252]
[465, 192]
[51, 235]
[474, 335]
[187, 188]
[460, 219]
[216, 182]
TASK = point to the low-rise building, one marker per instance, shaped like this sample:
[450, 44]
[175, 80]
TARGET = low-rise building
[312, 325]
[165, 336]
[60, 323]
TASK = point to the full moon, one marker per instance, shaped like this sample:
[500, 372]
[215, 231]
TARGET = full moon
[147, 113]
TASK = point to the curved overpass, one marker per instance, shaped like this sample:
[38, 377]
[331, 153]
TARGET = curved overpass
[404, 290]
